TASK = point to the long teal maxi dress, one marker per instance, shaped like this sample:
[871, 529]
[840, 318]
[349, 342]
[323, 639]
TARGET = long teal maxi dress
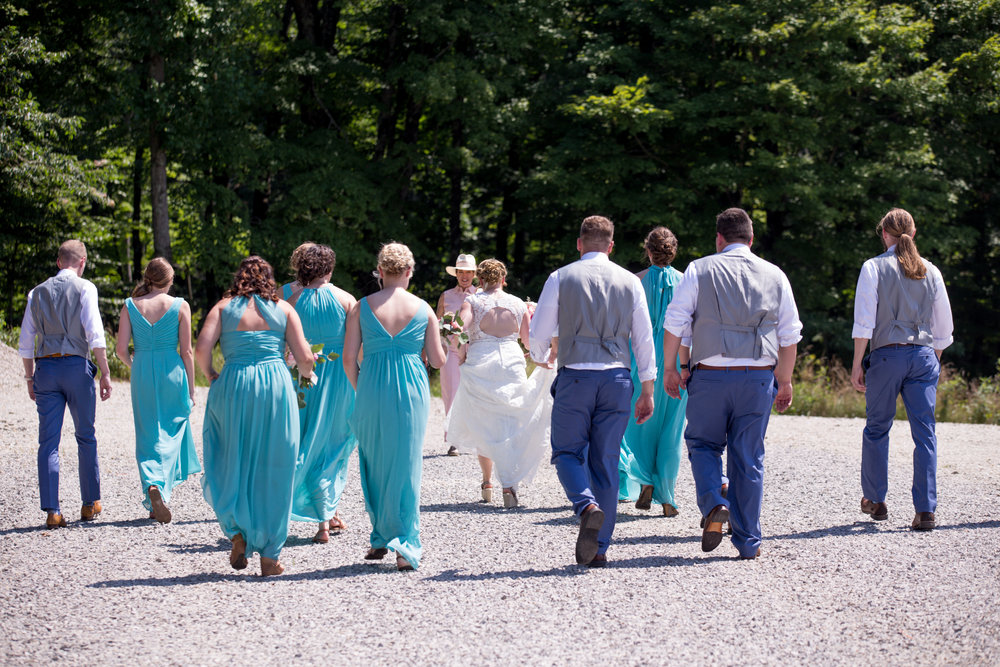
[326, 440]
[251, 432]
[390, 418]
[651, 451]
[161, 403]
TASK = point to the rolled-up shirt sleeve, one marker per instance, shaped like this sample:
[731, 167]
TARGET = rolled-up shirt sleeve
[545, 322]
[642, 335]
[942, 326]
[90, 317]
[865, 302]
[26, 343]
[680, 313]
[789, 324]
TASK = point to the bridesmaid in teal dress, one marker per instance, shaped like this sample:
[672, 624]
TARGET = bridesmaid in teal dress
[325, 438]
[651, 452]
[390, 415]
[251, 430]
[162, 385]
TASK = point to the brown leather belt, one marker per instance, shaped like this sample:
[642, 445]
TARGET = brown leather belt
[706, 367]
[899, 345]
[55, 356]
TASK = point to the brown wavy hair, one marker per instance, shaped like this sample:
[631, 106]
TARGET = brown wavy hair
[158, 275]
[491, 272]
[661, 246]
[735, 225]
[312, 262]
[255, 276]
[899, 224]
[297, 254]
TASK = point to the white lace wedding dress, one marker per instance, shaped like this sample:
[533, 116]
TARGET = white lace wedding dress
[498, 411]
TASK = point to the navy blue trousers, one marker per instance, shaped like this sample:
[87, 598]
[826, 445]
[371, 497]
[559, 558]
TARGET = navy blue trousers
[60, 383]
[728, 411]
[589, 416]
[911, 371]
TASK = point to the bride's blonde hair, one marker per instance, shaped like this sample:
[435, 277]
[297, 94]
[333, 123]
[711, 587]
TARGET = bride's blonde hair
[491, 272]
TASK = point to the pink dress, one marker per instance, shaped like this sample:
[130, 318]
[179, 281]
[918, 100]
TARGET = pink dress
[450, 372]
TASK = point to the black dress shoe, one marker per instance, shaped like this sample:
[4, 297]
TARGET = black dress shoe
[711, 536]
[645, 497]
[586, 542]
[923, 521]
[878, 511]
[600, 560]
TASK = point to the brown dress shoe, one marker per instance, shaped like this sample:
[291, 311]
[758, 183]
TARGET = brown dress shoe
[90, 512]
[645, 497]
[591, 521]
[753, 557]
[55, 520]
[711, 537]
[878, 511]
[923, 521]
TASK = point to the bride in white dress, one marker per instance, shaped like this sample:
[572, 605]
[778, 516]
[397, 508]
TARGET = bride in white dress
[499, 412]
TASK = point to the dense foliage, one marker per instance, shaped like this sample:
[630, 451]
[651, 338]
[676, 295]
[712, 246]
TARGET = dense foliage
[203, 131]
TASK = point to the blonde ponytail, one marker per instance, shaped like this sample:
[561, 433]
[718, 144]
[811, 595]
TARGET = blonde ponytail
[899, 224]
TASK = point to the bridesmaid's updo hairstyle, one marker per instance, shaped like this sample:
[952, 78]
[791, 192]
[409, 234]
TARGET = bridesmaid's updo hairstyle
[395, 259]
[297, 256]
[255, 276]
[491, 272]
[158, 275]
[898, 224]
[661, 246]
[313, 262]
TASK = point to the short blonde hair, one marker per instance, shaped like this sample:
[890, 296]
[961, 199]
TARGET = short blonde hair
[72, 251]
[491, 272]
[597, 230]
[395, 259]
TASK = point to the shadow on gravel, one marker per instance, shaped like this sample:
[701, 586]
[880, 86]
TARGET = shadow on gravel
[480, 507]
[565, 571]
[222, 545]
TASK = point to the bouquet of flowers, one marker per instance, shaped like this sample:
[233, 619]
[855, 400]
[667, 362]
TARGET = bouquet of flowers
[451, 324]
[307, 381]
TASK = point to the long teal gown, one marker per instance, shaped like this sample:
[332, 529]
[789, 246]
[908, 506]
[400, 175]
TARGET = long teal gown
[326, 440]
[161, 403]
[251, 432]
[651, 451]
[390, 418]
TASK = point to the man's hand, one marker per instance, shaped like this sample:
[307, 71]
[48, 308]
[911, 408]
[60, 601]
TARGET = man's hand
[858, 378]
[784, 398]
[672, 382]
[644, 404]
[31, 389]
[105, 387]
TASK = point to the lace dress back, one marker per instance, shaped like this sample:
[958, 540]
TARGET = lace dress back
[482, 303]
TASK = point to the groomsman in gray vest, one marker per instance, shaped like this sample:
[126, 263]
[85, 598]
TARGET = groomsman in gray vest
[588, 313]
[61, 325]
[740, 314]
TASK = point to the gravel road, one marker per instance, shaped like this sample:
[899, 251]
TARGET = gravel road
[499, 586]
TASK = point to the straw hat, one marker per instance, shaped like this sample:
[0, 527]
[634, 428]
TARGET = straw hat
[463, 263]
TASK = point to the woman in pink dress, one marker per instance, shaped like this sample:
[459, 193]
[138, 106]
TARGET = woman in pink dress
[451, 302]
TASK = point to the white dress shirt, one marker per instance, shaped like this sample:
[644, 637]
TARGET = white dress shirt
[680, 314]
[866, 305]
[90, 317]
[545, 325]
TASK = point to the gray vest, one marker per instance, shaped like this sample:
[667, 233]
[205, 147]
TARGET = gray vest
[736, 314]
[595, 313]
[55, 308]
[904, 305]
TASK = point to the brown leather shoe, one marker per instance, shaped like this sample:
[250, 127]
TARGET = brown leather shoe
[754, 557]
[923, 521]
[90, 512]
[600, 560]
[878, 511]
[711, 537]
[645, 497]
[55, 520]
[724, 490]
[591, 521]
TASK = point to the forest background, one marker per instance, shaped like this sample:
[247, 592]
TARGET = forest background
[207, 131]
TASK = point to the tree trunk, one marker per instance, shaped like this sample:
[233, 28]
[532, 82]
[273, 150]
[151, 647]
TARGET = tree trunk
[455, 174]
[158, 171]
[137, 249]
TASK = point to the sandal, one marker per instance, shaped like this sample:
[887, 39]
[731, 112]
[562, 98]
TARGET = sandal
[336, 523]
[403, 565]
[238, 556]
[487, 490]
[270, 568]
[322, 535]
[509, 498]
[376, 554]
